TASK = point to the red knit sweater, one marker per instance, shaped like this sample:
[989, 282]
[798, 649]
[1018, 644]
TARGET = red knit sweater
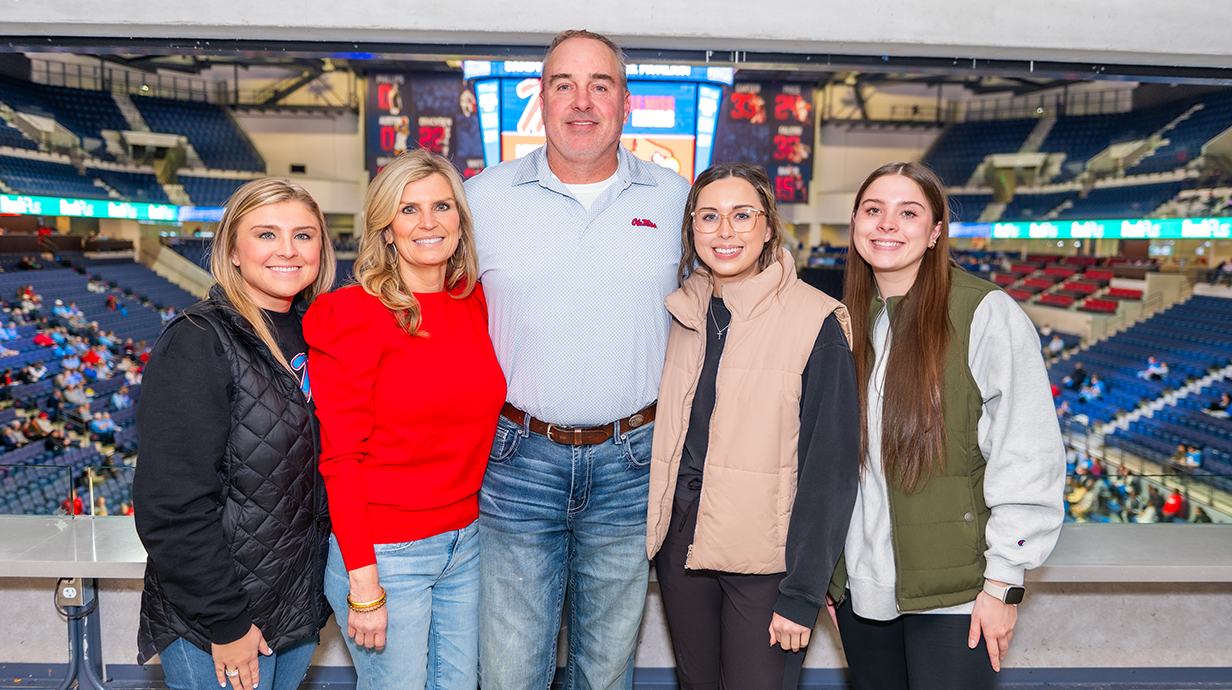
[406, 423]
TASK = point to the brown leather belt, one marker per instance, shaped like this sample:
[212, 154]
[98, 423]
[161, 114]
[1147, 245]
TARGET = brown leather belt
[580, 435]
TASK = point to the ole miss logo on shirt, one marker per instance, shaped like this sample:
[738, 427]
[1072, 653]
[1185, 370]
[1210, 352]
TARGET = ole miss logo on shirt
[643, 223]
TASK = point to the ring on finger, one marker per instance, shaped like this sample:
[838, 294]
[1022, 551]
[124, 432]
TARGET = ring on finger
[232, 672]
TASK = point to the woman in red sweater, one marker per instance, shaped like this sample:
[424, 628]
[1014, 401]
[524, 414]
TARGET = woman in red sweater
[408, 391]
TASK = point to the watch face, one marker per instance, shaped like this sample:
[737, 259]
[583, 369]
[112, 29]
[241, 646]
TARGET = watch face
[1014, 595]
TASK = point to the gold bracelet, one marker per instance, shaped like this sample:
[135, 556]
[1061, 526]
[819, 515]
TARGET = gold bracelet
[367, 606]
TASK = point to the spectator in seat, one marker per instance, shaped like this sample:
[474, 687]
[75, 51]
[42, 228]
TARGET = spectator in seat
[1094, 390]
[1219, 408]
[1174, 509]
[56, 441]
[1178, 457]
[1131, 506]
[1076, 378]
[100, 506]
[1193, 456]
[1054, 348]
[54, 404]
[36, 372]
[12, 438]
[103, 425]
[42, 339]
[75, 395]
[38, 427]
[72, 505]
[1155, 370]
[120, 399]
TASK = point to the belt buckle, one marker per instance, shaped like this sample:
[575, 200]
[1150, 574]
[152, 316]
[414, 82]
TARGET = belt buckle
[568, 429]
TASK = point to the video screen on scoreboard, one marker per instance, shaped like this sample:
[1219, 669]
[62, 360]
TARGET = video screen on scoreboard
[675, 110]
[661, 126]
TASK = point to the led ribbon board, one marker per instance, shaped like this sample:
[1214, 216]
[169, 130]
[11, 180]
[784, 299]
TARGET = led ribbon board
[21, 205]
[1117, 229]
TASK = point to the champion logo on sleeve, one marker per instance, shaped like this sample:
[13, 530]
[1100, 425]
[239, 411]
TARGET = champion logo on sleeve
[644, 223]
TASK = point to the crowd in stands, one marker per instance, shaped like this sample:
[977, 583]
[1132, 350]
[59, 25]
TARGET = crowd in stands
[67, 390]
[1092, 494]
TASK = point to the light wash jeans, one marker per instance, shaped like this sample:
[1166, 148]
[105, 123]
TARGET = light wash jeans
[555, 518]
[432, 599]
[187, 668]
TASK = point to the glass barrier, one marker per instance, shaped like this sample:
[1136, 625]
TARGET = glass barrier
[91, 490]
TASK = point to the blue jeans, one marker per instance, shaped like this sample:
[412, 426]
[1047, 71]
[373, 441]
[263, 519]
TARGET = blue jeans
[432, 600]
[554, 518]
[187, 668]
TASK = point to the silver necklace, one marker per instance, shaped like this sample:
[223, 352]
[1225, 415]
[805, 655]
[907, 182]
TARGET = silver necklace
[721, 329]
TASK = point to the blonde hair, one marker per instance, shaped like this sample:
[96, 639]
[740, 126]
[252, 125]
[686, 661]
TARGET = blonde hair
[251, 196]
[376, 266]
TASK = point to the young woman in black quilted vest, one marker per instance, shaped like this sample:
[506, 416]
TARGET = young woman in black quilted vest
[227, 495]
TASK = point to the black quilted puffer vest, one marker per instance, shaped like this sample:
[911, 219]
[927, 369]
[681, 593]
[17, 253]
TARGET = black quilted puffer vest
[273, 508]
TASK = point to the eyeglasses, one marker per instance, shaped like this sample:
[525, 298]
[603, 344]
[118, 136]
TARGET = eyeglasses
[740, 220]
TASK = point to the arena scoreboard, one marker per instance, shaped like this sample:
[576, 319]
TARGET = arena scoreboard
[672, 122]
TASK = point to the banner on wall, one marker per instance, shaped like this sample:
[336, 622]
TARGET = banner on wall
[430, 110]
[770, 124]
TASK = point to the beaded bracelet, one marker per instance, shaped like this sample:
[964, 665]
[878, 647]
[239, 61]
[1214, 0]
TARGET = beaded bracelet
[367, 606]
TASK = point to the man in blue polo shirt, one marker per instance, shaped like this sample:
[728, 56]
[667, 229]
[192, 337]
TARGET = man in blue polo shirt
[578, 246]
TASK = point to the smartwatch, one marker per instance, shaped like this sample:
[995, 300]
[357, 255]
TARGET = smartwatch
[1011, 594]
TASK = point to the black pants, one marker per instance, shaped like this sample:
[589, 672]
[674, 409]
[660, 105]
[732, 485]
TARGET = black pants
[720, 622]
[915, 651]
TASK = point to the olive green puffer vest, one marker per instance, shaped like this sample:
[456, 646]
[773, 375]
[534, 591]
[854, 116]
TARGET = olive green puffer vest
[938, 531]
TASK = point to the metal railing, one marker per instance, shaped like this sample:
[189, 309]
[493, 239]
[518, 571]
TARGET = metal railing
[121, 80]
[1050, 104]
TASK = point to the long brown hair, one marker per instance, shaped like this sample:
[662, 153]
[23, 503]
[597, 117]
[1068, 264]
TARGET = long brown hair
[249, 197]
[913, 438]
[376, 265]
[753, 174]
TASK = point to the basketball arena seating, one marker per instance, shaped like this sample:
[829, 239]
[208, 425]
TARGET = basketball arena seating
[963, 146]
[1157, 437]
[209, 191]
[208, 127]
[43, 483]
[1064, 282]
[1081, 137]
[1192, 337]
[1186, 139]
[1028, 207]
[143, 187]
[11, 136]
[44, 178]
[142, 283]
[1135, 201]
[83, 111]
[214, 135]
[966, 208]
[195, 249]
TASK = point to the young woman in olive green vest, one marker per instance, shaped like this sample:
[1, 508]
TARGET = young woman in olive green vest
[963, 465]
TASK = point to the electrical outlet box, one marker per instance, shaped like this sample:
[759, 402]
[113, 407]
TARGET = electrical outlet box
[68, 592]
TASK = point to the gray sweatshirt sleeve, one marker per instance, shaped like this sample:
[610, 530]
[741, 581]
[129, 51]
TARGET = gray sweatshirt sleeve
[1018, 434]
